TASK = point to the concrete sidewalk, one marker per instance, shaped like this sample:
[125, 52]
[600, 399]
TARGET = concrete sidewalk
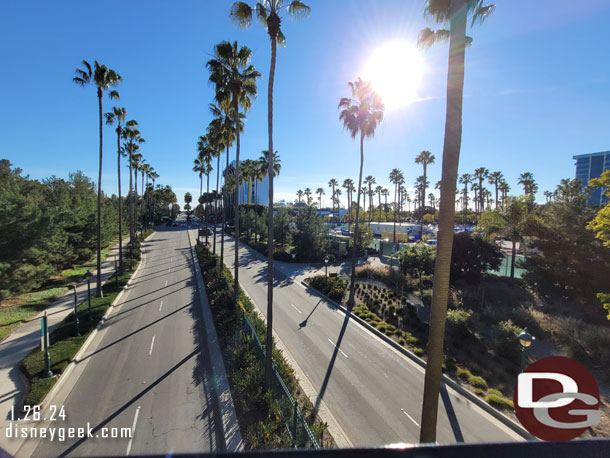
[26, 338]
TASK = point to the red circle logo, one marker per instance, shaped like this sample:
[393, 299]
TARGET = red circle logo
[556, 399]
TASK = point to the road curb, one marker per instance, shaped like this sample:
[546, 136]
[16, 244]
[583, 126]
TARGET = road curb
[77, 357]
[452, 383]
[221, 389]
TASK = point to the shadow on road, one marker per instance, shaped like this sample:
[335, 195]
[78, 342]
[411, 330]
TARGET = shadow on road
[453, 420]
[304, 323]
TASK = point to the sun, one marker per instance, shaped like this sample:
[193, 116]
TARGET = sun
[395, 70]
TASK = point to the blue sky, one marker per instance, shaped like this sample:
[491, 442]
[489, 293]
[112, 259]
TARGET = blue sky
[536, 89]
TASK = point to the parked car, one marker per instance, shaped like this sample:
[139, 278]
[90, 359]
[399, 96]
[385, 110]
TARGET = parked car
[202, 231]
[175, 224]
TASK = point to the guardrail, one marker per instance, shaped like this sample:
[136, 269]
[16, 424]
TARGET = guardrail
[299, 430]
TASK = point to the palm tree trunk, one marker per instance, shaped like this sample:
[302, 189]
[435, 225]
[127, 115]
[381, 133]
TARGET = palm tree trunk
[236, 273]
[216, 202]
[352, 290]
[118, 144]
[207, 218]
[99, 292]
[451, 156]
[130, 195]
[200, 200]
[135, 203]
[225, 203]
[395, 209]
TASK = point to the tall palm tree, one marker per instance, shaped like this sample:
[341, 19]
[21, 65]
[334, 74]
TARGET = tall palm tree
[378, 191]
[117, 117]
[455, 13]
[224, 122]
[299, 195]
[332, 183]
[308, 195]
[385, 192]
[235, 84]
[526, 180]
[268, 13]
[424, 158]
[133, 141]
[348, 185]
[153, 176]
[548, 196]
[465, 179]
[103, 78]
[137, 160]
[480, 174]
[337, 200]
[263, 164]
[495, 178]
[145, 169]
[395, 177]
[361, 114]
[320, 192]
[370, 181]
[510, 222]
[504, 189]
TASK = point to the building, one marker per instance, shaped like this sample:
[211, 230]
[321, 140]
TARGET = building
[590, 166]
[259, 192]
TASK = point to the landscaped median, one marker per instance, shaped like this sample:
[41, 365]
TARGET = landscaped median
[266, 417]
[64, 345]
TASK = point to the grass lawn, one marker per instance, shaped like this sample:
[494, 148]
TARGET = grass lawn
[19, 309]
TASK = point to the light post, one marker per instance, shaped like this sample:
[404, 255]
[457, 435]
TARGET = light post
[76, 323]
[525, 339]
[130, 246]
[116, 272]
[45, 347]
[88, 276]
[326, 265]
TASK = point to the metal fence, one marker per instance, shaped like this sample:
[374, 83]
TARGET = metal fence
[299, 430]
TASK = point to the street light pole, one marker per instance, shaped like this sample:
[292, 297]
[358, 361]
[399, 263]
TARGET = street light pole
[88, 276]
[326, 265]
[525, 339]
[76, 323]
[45, 347]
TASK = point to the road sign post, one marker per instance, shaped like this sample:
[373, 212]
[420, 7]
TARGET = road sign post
[45, 346]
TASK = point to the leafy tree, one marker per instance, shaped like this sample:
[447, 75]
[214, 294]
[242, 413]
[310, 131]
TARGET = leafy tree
[311, 237]
[103, 78]
[601, 223]
[454, 13]
[282, 224]
[472, 257]
[417, 261]
[361, 114]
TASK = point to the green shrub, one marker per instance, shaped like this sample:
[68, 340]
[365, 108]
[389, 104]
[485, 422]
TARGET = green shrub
[402, 341]
[499, 402]
[477, 381]
[418, 351]
[495, 392]
[334, 287]
[479, 392]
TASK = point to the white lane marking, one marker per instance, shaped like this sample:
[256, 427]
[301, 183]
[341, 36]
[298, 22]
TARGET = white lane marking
[171, 260]
[160, 306]
[151, 346]
[295, 307]
[165, 282]
[133, 430]
[169, 270]
[410, 417]
[338, 348]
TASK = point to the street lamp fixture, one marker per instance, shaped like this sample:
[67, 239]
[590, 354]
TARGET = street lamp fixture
[525, 340]
[88, 276]
[326, 265]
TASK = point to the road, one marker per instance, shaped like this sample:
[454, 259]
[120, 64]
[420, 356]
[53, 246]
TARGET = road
[373, 391]
[144, 370]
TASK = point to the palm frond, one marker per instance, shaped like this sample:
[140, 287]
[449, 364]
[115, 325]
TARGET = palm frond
[262, 14]
[427, 37]
[79, 81]
[482, 13]
[114, 95]
[109, 118]
[468, 41]
[298, 9]
[241, 14]
[280, 39]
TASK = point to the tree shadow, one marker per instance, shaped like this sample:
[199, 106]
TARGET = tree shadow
[453, 420]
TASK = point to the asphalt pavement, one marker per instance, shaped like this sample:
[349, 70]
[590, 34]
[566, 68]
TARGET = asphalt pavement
[146, 371]
[373, 391]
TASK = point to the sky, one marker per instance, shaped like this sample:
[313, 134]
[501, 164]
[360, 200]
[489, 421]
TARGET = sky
[536, 89]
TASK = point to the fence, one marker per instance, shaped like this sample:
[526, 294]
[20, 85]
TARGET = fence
[299, 430]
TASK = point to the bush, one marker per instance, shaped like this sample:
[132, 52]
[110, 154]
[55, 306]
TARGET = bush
[418, 351]
[500, 402]
[334, 287]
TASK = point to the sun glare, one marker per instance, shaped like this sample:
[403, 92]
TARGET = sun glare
[395, 70]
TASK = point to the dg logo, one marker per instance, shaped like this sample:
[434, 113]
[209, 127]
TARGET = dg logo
[556, 399]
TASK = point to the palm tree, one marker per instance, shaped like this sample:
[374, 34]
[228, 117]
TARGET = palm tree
[268, 13]
[300, 195]
[432, 202]
[308, 195]
[465, 179]
[378, 191]
[424, 158]
[548, 195]
[235, 83]
[495, 178]
[370, 181]
[137, 159]
[510, 222]
[337, 200]
[332, 183]
[348, 185]
[530, 187]
[103, 78]
[153, 176]
[481, 175]
[504, 189]
[320, 192]
[455, 13]
[361, 114]
[395, 178]
[133, 141]
[117, 116]
[385, 193]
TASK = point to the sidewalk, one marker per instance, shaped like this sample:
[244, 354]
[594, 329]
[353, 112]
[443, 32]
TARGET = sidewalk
[26, 338]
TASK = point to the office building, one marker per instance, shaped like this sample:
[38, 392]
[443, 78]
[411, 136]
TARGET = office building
[589, 166]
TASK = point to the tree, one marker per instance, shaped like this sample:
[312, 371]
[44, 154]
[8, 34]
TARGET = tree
[348, 185]
[133, 141]
[282, 224]
[235, 83]
[396, 177]
[496, 179]
[361, 114]
[526, 180]
[385, 193]
[117, 116]
[454, 13]
[424, 158]
[472, 257]
[308, 195]
[320, 193]
[369, 181]
[378, 191]
[601, 223]
[417, 260]
[299, 195]
[504, 189]
[333, 184]
[480, 174]
[103, 78]
[311, 236]
[511, 222]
